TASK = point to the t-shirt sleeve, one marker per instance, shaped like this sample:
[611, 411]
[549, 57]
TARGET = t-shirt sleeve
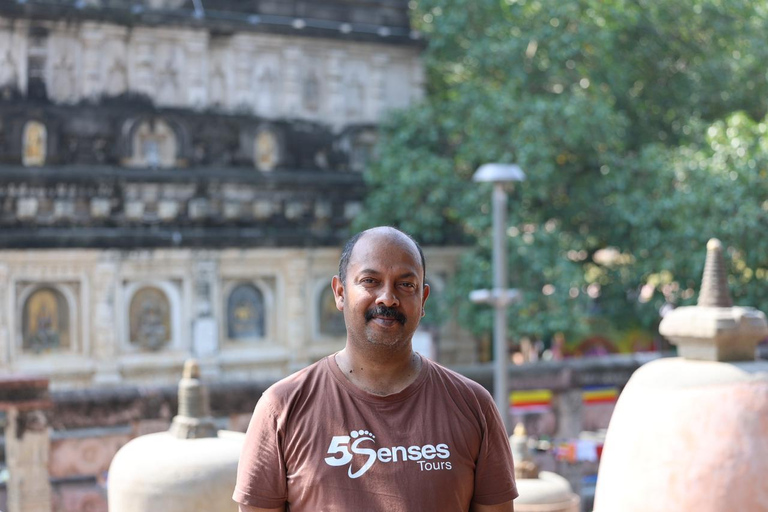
[494, 472]
[261, 474]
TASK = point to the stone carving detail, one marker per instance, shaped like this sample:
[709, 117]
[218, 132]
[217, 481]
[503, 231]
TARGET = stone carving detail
[331, 321]
[355, 94]
[245, 313]
[267, 91]
[45, 321]
[167, 75]
[34, 144]
[218, 88]
[8, 70]
[117, 81]
[312, 92]
[154, 145]
[362, 150]
[150, 319]
[266, 150]
[64, 85]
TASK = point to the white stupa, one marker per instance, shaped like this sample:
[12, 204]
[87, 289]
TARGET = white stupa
[190, 468]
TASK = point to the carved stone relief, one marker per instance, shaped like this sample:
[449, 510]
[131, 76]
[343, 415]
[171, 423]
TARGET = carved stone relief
[34, 144]
[311, 91]
[267, 95]
[266, 150]
[245, 313]
[64, 86]
[154, 145]
[8, 67]
[150, 319]
[45, 322]
[143, 79]
[354, 92]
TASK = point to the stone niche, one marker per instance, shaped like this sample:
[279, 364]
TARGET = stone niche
[153, 316]
[48, 317]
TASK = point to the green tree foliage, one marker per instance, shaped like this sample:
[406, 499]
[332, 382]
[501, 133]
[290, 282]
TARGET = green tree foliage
[639, 124]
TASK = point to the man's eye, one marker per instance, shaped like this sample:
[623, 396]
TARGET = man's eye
[409, 285]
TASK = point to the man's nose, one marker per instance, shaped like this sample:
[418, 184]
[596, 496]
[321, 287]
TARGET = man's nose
[387, 297]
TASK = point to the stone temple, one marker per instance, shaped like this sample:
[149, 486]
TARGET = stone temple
[176, 179]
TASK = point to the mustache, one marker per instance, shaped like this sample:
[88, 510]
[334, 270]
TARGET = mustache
[385, 312]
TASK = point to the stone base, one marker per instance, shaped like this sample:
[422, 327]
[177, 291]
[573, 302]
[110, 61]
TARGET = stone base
[715, 334]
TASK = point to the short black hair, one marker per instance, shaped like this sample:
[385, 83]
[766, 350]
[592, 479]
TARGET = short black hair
[346, 253]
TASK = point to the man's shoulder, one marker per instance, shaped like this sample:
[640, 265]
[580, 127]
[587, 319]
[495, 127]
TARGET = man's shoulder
[460, 383]
[294, 385]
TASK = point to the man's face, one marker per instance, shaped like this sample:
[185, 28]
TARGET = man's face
[384, 293]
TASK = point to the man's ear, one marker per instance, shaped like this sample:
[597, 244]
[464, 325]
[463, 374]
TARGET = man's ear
[338, 292]
[424, 297]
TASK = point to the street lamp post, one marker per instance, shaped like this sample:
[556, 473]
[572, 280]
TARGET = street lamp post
[500, 297]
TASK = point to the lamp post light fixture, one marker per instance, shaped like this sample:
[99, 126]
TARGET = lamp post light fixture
[500, 297]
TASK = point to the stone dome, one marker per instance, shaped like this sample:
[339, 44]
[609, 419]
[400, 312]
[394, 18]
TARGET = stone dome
[688, 435]
[163, 472]
[190, 468]
[691, 433]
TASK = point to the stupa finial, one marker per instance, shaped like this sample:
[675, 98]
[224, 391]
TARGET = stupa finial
[715, 329]
[714, 283]
[194, 419]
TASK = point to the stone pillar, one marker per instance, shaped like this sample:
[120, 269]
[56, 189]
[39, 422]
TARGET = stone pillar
[295, 322]
[104, 319]
[27, 443]
[205, 330]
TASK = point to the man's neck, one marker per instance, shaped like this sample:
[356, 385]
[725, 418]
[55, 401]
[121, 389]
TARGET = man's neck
[377, 373]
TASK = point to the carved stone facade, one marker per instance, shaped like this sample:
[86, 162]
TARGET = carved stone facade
[265, 65]
[89, 317]
[176, 182]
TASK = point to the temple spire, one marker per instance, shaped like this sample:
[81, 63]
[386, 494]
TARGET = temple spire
[714, 284]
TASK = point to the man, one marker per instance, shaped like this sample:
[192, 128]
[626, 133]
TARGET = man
[377, 427]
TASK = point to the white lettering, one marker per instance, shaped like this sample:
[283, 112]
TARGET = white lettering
[362, 451]
[341, 452]
[385, 454]
[399, 449]
[433, 466]
[414, 453]
[338, 445]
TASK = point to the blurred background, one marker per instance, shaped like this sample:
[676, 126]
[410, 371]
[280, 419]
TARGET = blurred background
[177, 178]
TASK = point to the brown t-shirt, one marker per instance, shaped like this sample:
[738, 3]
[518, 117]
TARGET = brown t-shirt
[318, 443]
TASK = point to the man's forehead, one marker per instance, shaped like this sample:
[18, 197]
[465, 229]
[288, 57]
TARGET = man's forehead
[384, 244]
